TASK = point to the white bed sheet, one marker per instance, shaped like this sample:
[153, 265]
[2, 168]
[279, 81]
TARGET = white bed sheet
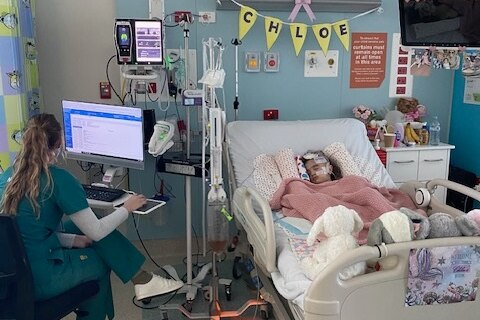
[290, 280]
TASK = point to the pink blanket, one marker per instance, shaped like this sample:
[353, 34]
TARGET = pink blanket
[303, 199]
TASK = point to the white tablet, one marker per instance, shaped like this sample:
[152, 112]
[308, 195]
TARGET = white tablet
[149, 206]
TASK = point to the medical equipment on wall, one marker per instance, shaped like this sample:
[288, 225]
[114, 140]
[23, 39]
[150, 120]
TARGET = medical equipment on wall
[139, 45]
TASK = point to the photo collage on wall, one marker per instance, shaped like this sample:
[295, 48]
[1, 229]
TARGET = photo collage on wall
[471, 63]
[423, 60]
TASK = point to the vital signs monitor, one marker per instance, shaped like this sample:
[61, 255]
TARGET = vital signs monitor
[104, 134]
[139, 41]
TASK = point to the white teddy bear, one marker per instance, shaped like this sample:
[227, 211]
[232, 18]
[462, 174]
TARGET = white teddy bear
[337, 224]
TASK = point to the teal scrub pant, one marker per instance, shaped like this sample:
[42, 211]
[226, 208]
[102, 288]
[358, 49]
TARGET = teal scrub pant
[113, 253]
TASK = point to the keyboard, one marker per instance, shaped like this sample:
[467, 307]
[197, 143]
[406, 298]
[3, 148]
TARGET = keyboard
[102, 194]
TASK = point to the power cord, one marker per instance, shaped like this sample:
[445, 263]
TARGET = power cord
[110, 83]
[148, 253]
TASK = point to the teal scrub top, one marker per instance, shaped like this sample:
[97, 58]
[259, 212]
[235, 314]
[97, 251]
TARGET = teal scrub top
[39, 232]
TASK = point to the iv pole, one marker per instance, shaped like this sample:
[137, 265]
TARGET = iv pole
[236, 103]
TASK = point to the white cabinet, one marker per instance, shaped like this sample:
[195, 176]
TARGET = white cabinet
[422, 163]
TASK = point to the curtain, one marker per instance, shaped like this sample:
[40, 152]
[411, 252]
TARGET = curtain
[19, 89]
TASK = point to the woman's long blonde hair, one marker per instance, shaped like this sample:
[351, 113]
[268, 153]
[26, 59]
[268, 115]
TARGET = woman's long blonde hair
[42, 136]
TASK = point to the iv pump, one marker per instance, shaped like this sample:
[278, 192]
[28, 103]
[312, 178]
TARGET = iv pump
[123, 41]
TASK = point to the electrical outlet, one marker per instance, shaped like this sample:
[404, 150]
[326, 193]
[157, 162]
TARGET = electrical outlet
[206, 16]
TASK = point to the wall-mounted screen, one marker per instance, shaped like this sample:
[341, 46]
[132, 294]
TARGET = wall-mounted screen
[441, 23]
[139, 42]
[104, 134]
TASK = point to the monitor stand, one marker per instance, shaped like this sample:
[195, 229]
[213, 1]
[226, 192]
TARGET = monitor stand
[110, 173]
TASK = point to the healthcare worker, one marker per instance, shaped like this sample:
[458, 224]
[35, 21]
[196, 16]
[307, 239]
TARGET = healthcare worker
[84, 248]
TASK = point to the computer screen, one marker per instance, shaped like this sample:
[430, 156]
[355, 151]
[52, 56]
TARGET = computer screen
[148, 42]
[104, 134]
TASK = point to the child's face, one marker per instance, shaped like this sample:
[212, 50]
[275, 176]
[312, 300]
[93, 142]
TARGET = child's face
[318, 172]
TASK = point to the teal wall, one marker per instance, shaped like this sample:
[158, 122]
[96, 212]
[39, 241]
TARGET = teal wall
[464, 129]
[295, 96]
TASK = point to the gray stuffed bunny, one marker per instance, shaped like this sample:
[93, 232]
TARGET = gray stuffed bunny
[398, 226]
[443, 225]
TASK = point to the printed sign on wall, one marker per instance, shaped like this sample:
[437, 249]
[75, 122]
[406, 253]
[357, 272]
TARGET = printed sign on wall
[368, 60]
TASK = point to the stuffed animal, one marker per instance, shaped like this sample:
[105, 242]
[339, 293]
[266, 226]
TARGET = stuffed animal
[337, 224]
[469, 224]
[398, 226]
[443, 225]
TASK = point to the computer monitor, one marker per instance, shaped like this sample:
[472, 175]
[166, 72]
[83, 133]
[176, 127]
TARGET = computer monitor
[104, 134]
[148, 42]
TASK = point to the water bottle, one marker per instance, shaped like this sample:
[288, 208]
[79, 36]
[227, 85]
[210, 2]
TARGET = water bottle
[434, 135]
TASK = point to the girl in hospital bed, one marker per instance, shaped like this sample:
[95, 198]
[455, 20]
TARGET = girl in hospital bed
[309, 199]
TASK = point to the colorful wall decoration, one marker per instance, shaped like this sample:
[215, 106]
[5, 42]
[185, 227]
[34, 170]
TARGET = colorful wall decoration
[19, 88]
[273, 26]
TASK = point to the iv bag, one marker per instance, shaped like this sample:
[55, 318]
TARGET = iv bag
[213, 78]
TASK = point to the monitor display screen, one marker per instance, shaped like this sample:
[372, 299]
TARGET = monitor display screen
[105, 134]
[148, 42]
[442, 23]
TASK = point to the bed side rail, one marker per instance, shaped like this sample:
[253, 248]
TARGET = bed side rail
[435, 205]
[438, 206]
[327, 295]
[260, 234]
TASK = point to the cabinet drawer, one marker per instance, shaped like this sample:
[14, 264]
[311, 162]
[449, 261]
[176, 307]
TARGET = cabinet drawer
[402, 166]
[432, 164]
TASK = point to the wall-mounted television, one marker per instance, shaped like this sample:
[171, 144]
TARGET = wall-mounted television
[440, 23]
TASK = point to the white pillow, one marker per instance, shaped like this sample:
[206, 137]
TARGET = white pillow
[341, 158]
[285, 160]
[266, 175]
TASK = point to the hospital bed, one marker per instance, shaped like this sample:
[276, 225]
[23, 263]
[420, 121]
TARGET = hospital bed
[375, 295]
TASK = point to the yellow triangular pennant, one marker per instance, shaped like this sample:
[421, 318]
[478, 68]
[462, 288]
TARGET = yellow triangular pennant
[343, 32]
[323, 33]
[299, 34]
[273, 26]
[246, 20]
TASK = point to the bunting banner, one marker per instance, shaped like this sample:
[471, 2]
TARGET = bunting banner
[247, 19]
[323, 32]
[273, 26]
[343, 32]
[299, 34]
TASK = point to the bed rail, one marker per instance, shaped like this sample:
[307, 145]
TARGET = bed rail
[380, 294]
[260, 234]
[435, 204]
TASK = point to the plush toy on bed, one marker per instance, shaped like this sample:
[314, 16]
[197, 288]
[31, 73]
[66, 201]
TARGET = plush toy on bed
[444, 225]
[396, 226]
[469, 224]
[337, 224]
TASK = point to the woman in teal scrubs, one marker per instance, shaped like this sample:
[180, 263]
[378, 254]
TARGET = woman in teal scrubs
[84, 248]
